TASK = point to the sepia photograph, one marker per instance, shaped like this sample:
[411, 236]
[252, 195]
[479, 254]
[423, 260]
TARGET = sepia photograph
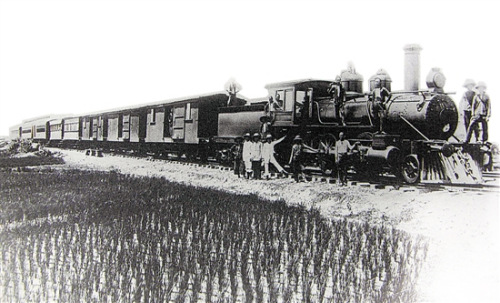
[249, 151]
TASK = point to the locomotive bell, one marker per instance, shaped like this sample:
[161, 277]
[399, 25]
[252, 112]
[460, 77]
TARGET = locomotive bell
[435, 80]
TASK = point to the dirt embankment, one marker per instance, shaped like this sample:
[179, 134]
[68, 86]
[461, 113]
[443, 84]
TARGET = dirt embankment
[462, 226]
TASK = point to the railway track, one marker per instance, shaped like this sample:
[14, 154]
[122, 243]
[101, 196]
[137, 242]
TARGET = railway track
[383, 182]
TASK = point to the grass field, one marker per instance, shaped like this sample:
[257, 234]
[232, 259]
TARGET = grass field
[79, 236]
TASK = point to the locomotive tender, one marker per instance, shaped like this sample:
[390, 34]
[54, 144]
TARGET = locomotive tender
[411, 138]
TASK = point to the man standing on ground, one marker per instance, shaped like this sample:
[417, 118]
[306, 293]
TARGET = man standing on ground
[268, 155]
[256, 156]
[237, 153]
[246, 155]
[342, 147]
[296, 158]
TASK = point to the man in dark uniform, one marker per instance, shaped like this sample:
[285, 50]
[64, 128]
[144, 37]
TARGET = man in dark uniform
[256, 156]
[481, 112]
[296, 158]
[337, 92]
[237, 153]
[466, 105]
[379, 96]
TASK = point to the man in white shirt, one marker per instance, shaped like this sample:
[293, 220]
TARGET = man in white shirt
[342, 147]
[246, 155]
[268, 155]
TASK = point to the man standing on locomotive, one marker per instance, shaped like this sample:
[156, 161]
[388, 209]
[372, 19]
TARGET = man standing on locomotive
[466, 105]
[268, 155]
[481, 112]
[256, 156]
[237, 153]
[337, 92]
[246, 155]
[342, 147]
[379, 96]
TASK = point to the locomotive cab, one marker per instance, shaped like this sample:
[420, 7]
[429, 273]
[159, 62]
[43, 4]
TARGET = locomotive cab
[298, 101]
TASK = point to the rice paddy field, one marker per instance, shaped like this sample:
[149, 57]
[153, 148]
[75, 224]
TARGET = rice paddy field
[88, 236]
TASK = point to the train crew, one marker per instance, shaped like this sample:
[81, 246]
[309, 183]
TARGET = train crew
[275, 105]
[466, 105]
[342, 147]
[296, 158]
[303, 109]
[279, 102]
[481, 112]
[237, 153]
[268, 155]
[379, 96]
[256, 156]
[245, 156]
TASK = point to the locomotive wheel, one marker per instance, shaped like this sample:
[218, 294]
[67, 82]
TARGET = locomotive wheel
[324, 143]
[326, 146]
[410, 169]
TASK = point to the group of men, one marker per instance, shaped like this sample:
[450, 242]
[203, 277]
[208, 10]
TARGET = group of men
[476, 109]
[250, 153]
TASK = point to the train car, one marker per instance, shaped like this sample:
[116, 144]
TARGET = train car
[15, 132]
[184, 125]
[71, 132]
[170, 126]
[55, 130]
[35, 129]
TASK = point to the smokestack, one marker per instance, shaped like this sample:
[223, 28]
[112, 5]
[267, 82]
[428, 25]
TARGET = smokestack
[412, 66]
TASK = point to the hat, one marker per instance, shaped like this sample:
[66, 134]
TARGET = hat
[469, 82]
[481, 84]
[256, 135]
[246, 135]
[269, 136]
[297, 138]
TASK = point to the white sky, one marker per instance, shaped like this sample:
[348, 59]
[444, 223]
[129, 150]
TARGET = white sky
[60, 57]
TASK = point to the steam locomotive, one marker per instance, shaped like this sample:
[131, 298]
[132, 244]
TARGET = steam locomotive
[407, 134]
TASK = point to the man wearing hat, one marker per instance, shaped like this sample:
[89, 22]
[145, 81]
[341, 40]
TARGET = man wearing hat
[268, 155]
[481, 112]
[296, 158]
[246, 155]
[466, 105]
[237, 153]
[256, 156]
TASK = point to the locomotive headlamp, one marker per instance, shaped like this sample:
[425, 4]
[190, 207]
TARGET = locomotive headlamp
[435, 79]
